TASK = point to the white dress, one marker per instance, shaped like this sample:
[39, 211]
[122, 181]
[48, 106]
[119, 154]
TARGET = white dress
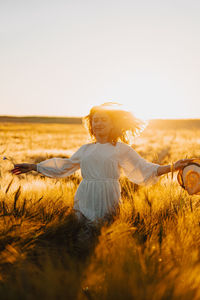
[99, 192]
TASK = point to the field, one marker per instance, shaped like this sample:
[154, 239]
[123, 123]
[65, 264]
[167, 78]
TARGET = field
[150, 251]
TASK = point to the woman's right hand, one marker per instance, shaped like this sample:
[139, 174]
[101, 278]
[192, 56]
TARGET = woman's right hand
[23, 168]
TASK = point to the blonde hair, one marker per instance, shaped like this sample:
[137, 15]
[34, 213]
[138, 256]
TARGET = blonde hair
[126, 125]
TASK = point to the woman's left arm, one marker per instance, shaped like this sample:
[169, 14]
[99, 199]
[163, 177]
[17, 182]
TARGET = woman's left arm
[173, 167]
[141, 171]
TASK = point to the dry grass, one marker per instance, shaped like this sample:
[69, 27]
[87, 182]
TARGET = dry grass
[150, 251]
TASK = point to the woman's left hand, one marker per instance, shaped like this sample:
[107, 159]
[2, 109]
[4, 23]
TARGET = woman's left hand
[180, 164]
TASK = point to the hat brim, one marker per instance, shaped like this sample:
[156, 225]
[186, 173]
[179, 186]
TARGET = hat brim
[196, 162]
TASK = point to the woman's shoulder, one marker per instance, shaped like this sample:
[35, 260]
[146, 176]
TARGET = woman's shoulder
[81, 150]
[123, 148]
[86, 146]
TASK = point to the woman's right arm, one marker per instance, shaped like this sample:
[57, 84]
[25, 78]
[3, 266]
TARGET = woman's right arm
[23, 168]
[53, 167]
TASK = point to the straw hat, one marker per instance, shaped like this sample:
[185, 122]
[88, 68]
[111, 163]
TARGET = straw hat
[189, 177]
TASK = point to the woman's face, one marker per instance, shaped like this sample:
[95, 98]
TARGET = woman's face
[101, 124]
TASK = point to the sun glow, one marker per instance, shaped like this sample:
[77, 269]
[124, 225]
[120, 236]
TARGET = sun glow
[77, 61]
[148, 95]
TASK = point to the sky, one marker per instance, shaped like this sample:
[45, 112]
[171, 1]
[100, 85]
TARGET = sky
[61, 57]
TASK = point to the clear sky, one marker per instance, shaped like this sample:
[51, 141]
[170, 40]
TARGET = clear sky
[60, 57]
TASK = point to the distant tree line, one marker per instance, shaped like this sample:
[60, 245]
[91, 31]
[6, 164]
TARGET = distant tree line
[55, 120]
[154, 124]
[175, 124]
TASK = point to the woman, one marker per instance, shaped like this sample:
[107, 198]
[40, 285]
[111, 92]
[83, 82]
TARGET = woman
[98, 195]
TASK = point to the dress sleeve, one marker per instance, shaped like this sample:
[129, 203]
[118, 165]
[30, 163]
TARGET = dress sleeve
[61, 167]
[137, 169]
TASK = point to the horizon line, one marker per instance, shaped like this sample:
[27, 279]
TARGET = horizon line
[80, 117]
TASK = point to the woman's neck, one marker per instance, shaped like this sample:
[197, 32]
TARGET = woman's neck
[102, 139]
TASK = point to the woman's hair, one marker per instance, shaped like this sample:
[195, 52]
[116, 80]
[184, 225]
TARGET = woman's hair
[125, 125]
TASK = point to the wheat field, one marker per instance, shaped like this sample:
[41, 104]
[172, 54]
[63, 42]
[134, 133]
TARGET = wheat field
[150, 251]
